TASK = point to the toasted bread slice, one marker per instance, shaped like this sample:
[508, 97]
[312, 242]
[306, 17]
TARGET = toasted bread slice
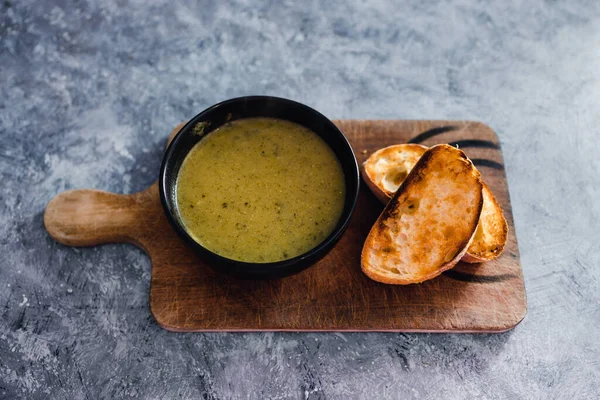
[492, 231]
[385, 169]
[430, 221]
[381, 173]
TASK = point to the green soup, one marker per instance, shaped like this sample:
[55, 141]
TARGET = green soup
[260, 190]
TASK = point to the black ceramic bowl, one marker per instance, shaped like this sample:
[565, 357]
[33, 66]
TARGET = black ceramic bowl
[248, 107]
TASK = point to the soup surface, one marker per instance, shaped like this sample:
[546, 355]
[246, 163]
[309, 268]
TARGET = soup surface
[260, 190]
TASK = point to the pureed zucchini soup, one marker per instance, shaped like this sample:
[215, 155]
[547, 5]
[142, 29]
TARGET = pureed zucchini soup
[260, 190]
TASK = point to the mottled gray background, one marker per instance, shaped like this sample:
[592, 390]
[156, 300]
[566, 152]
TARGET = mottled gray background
[90, 90]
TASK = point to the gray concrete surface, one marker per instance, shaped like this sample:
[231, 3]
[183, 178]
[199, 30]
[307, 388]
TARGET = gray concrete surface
[89, 91]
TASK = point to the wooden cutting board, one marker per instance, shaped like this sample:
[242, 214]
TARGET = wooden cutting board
[332, 295]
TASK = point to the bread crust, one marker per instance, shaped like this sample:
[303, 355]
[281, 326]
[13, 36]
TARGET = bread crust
[392, 237]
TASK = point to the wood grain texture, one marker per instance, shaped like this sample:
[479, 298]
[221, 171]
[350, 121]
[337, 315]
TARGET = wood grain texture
[332, 295]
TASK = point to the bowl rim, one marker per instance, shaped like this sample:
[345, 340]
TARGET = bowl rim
[215, 259]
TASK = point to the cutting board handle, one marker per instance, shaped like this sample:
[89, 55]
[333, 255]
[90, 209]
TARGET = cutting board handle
[90, 217]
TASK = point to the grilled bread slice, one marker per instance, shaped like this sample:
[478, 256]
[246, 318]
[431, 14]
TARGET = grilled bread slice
[383, 172]
[385, 169]
[430, 221]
